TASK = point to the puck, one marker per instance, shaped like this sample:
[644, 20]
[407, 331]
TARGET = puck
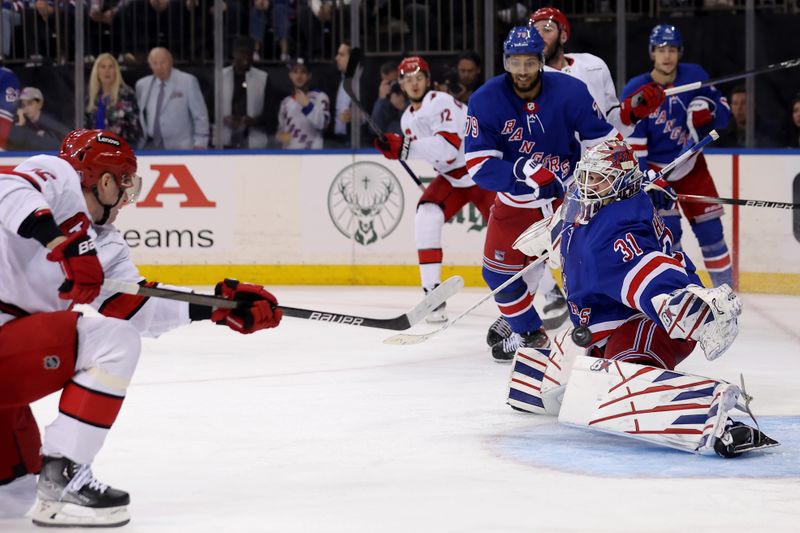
[582, 336]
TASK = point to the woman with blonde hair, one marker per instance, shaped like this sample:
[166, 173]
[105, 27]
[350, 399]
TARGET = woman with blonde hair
[112, 104]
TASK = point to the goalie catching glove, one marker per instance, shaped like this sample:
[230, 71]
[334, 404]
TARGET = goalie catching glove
[259, 309]
[707, 316]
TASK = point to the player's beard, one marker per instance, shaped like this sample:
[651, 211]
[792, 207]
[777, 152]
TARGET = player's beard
[557, 46]
[534, 81]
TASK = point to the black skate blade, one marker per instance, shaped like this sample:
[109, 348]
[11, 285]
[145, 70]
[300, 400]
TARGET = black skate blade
[762, 443]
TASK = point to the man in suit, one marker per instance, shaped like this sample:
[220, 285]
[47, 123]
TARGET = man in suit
[172, 110]
[243, 91]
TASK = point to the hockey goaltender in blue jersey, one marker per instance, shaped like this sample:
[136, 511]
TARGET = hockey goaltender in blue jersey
[616, 263]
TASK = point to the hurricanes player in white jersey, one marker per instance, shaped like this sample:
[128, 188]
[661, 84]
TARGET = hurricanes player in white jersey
[57, 245]
[433, 130]
[555, 29]
[305, 114]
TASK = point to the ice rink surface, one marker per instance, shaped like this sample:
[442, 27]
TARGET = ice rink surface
[317, 427]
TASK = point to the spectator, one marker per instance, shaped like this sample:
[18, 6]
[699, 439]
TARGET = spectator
[171, 107]
[452, 85]
[281, 12]
[35, 130]
[388, 77]
[388, 112]
[792, 137]
[243, 94]
[344, 114]
[735, 135]
[469, 73]
[314, 24]
[10, 17]
[305, 114]
[204, 21]
[112, 103]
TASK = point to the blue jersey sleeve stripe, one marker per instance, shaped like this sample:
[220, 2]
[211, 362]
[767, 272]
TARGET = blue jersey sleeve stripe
[640, 276]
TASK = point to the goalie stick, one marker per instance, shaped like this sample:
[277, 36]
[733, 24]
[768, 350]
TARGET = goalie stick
[352, 64]
[408, 338]
[790, 63]
[431, 301]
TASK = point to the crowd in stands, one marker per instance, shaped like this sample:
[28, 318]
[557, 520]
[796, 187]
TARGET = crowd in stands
[307, 109]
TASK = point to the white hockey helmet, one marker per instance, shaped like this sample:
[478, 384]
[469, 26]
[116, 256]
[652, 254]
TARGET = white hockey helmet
[606, 172]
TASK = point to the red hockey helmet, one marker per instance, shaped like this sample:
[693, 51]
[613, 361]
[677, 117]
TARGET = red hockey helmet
[554, 14]
[92, 153]
[412, 65]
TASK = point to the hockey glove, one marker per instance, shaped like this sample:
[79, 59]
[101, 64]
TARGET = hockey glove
[700, 117]
[661, 194]
[77, 256]
[544, 183]
[393, 146]
[696, 313]
[641, 103]
[259, 309]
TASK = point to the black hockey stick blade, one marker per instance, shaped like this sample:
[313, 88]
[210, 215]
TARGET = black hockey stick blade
[432, 300]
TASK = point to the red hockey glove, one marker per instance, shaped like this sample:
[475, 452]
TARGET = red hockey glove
[641, 103]
[260, 310]
[83, 274]
[544, 183]
[393, 146]
[699, 117]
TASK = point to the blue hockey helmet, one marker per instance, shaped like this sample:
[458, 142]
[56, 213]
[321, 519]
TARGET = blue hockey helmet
[665, 35]
[523, 40]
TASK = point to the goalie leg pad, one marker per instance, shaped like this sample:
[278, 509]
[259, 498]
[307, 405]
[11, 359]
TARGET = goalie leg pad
[663, 407]
[539, 375]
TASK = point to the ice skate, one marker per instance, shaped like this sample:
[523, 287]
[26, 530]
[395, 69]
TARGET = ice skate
[503, 351]
[70, 496]
[499, 330]
[740, 438]
[554, 311]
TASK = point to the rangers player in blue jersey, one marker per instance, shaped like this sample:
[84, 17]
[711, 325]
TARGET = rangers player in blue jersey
[638, 306]
[523, 136]
[9, 93]
[659, 138]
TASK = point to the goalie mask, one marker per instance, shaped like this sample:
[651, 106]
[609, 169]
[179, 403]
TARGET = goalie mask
[606, 172]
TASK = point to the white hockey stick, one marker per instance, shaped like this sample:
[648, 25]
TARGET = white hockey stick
[432, 300]
[408, 338]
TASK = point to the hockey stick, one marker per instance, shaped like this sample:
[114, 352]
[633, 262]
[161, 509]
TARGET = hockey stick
[408, 338]
[431, 301]
[352, 64]
[791, 63]
[712, 136]
[736, 201]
